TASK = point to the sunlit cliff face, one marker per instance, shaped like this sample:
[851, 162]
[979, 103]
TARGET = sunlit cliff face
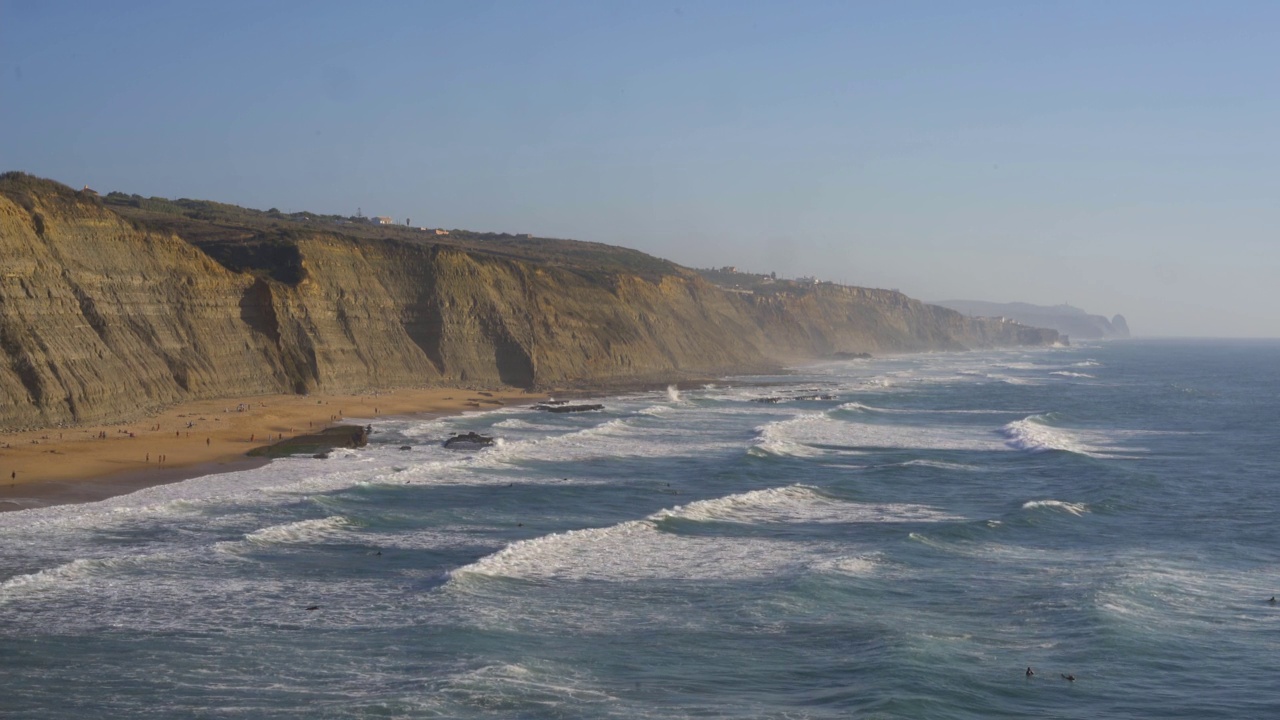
[100, 318]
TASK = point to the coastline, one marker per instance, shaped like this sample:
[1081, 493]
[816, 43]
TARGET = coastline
[52, 466]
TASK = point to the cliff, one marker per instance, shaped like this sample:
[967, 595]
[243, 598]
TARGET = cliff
[105, 318]
[1067, 320]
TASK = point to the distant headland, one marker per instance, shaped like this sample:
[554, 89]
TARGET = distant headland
[1067, 320]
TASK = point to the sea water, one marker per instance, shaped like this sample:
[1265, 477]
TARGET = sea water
[890, 538]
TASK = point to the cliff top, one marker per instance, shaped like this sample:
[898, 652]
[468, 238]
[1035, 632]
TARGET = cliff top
[245, 239]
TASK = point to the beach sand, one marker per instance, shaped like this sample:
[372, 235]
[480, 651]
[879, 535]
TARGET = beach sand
[55, 466]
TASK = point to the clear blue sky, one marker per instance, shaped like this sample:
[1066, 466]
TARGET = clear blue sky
[1122, 156]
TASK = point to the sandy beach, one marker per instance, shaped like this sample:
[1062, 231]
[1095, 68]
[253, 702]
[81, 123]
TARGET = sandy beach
[53, 466]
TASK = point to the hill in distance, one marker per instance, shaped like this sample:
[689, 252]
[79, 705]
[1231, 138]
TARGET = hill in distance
[1066, 319]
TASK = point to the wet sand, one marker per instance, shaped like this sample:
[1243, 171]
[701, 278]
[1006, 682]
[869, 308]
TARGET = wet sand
[52, 466]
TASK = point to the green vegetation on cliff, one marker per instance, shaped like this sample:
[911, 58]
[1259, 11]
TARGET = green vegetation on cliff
[109, 308]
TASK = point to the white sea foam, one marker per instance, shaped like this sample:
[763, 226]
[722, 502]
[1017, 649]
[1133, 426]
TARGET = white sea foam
[673, 393]
[856, 565]
[1068, 373]
[535, 682]
[1067, 507]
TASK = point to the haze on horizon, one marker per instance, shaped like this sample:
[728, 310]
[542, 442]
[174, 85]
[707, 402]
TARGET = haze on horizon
[1117, 156]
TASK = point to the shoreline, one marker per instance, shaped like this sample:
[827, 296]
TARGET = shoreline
[51, 466]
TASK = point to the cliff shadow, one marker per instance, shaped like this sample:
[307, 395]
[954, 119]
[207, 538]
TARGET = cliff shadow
[515, 367]
[296, 359]
[424, 324]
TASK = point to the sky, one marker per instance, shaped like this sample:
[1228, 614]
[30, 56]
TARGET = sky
[1119, 156]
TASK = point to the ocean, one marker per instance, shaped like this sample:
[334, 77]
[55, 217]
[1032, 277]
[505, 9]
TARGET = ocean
[899, 537]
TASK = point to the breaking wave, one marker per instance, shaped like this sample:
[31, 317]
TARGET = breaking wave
[649, 549]
[1076, 509]
[1034, 434]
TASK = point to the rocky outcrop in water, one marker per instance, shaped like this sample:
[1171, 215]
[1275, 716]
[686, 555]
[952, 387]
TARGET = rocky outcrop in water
[469, 440]
[105, 319]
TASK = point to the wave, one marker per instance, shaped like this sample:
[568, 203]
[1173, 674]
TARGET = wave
[857, 407]
[521, 424]
[1033, 434]
[856, 565]
[1068, 373]
[938, 465]
[302, 532]
[778, 437]
[860, 407]
[647, 549]
[815, 434]
[78, 569]
[1087, 363]
[1014, 380]
[1164, 592]
[1037, 433]
[794, 504]
[1076, 509]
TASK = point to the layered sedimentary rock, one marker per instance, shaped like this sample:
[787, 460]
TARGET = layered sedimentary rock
[102, 319]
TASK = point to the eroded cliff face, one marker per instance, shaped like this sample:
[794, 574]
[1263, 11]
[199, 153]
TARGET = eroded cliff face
[101, 320]
[98, 319]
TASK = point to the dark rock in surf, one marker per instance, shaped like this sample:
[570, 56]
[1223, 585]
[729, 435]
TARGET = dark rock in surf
[317, 444]
[567, 408]
[468, 440]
